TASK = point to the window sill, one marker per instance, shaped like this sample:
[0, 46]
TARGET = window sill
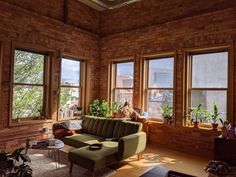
[206, 127]
[68, 118]
[28, 122]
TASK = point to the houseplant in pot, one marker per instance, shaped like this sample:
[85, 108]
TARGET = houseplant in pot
[215, 116]
[115, 108]
[196, 114]
[205, 116]
[15, 164]
[99, 108]
[167, 113]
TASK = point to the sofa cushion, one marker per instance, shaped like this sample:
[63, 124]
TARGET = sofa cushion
[72, 124]
[81, 139]
[93, 160]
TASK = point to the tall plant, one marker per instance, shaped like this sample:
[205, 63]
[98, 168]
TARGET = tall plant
[215, 114]
[195, 113]
[99, 108]
[15, 164]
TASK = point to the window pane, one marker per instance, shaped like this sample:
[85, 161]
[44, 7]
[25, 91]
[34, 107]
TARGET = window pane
[70, 72]
[160, 73]
[207, 98]
[124, 75]
[27, 101]
[28, 67]
[70, 97]
[210, 70]
[123, 95]
[156, 99]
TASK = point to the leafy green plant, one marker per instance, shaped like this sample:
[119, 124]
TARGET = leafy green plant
[99, 108]
[195, 113]
[15, 164]
[167, 112]
[205, 115]
[116, 106]
[215, 114]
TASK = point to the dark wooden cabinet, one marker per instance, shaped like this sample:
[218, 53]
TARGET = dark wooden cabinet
[225, 150]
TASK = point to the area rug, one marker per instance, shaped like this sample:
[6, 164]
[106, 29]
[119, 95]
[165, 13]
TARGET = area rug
[43, 166]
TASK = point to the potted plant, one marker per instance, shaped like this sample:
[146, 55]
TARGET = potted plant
[215, 116]
[195, 113]
[167, 113]
[99, 108]
[115, 108]
[205, 116]
[79, 110]
[15, 164]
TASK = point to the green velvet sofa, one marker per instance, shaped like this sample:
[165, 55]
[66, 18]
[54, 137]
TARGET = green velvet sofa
[120, 139]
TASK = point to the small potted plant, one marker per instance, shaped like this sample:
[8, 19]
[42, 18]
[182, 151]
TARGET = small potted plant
[215, 116]
[167, 113]
[205, 116]
[115, 108]
[196, 114]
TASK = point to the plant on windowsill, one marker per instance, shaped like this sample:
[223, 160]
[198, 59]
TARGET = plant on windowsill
[15, 164]
[215, 116]
[205, 116]
[167, 113]
[115, 108]
[99, 108]
[196, 115]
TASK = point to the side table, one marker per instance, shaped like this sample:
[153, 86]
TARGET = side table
[53, 151]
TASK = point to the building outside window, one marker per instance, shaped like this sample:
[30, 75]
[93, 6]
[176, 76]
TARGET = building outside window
[208, 81]
[123, 82]
[159, 85]
[70, 88]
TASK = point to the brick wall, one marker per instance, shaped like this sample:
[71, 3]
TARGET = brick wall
[19, 25]
[77, 15]
[152, 12]
[216, 27]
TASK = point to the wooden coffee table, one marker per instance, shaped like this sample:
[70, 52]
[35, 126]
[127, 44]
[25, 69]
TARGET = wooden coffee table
[53, 151]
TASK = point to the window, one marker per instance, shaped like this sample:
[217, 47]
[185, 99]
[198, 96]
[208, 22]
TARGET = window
[70, 88]
[29, 85]
[159, 85]
[123, 85]
[208, 81]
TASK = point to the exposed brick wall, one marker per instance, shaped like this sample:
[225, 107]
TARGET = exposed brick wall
[152, 12]
[18, 25]
[78, 15]
[202, 30]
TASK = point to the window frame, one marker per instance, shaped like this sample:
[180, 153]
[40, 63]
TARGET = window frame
[81, 87]
[46, 85]
[188, 78]
[112, 77]
[145, 78]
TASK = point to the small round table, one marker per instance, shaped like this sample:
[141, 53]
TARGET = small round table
[53, 151]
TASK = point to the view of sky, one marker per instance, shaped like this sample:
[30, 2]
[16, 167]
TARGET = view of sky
[70, 71]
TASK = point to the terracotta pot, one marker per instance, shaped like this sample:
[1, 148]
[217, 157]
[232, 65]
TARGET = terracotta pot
[195, 124]
[114, 114]
[214, 126]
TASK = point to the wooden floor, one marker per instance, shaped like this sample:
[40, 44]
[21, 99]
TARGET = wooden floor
[170, 159]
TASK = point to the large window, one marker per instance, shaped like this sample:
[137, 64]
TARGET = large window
[29, 85]
[159, 85]
[208, 81]
[123, 85]
[70, 88]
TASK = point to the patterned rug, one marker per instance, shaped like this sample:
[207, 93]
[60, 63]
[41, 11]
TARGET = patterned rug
[43, 166]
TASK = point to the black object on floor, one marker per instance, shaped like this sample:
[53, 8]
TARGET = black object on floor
[163, 172]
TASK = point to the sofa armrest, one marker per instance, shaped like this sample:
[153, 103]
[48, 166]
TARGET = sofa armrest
[131, 144]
